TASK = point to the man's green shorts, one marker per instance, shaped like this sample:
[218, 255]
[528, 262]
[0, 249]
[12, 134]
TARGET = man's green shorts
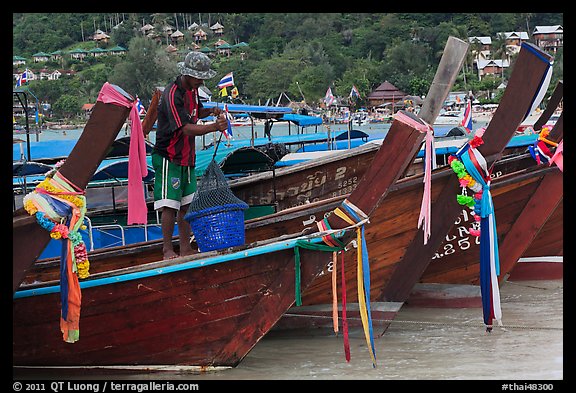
[174, 185]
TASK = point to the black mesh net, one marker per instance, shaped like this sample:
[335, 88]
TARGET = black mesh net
[213, 190]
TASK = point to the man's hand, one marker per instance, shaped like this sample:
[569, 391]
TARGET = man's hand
[216, 111]
[221, 122]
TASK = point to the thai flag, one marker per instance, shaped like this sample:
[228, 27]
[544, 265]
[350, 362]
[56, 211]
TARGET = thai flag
[228, 131]
[140, 107]
[467, 119]
[22, 78]
[329, 97]
[226, 81]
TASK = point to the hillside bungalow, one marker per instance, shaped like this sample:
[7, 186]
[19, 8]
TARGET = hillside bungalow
[101, 37]
[217, 29]
[50, 75]
[207, 50]
[514, 40]
[18, 60]
[78, 54]
[97, 52]
[241, 47]
[549, 38]
[200, 36]
[147, 29]
[484, 45]
[491, 67]
[171, 49]
[177, 36]
[224, 49]
[118, 50]
[384, 94]
[40, 57]
[56, 55]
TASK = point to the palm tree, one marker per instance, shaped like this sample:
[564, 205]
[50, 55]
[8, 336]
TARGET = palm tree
[527, 17]
[501, 50]
[474, 52]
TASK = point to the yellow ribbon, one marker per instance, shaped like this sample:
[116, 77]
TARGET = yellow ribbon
[360, 275]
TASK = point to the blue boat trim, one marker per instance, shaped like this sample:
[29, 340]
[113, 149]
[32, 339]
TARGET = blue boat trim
[265, 249]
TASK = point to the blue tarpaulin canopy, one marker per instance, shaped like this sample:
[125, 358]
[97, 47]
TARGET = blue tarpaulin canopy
[255, 110]
[302, 120]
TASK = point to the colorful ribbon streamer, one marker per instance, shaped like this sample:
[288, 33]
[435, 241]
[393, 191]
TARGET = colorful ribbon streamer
[353, 215]
[59, 207]
[476, 166]
[137, 167]
[429, 164]
[558, 157]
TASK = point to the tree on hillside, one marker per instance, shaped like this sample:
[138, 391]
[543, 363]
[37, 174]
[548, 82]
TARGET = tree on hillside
[146, 67]
[67, 106]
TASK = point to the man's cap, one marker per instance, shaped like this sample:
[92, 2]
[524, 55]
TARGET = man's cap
[197, 65]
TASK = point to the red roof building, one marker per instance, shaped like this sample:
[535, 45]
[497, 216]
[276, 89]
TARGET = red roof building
[385, 93]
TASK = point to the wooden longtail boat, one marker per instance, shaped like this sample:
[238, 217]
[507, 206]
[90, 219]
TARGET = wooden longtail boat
[530, 75]
[281, 223]
[394, 265]
[543, 260]
[207, 309]
[29, 238]
[530, 223]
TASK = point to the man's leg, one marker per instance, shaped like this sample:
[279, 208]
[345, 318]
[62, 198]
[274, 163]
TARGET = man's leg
[167, 220]
[184, 232]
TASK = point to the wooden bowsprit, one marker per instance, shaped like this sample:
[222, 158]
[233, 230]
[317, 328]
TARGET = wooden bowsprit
[29, 239]
[553, 103]
[521, 95]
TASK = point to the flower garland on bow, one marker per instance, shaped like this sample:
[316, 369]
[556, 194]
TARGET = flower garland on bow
[540, 150]
[59, 207]
[471, 169]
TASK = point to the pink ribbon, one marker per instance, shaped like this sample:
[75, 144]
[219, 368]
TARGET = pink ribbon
[137, 167]
[425, 207]
[558, 157]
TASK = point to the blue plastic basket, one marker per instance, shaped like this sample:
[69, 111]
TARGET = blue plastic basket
[218, 227]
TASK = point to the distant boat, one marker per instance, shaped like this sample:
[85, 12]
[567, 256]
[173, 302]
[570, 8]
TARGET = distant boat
[449, 118]
[528, 124]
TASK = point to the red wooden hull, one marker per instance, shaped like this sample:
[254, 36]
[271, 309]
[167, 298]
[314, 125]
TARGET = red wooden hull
[457, 259]
[193, 310]
[202, 316]
[543, 260]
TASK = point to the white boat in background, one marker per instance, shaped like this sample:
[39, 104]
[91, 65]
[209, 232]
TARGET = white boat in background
[450, 118]
[527, 126]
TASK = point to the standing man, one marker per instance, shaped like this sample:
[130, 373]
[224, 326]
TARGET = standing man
[174, 153]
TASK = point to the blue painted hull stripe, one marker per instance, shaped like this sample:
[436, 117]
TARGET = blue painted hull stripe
[274, 247]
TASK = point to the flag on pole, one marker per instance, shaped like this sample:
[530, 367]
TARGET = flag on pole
[234, 92]
[354, 93]
[22, 78]
[223, 92]
[140, 107]
[467, 119]
[228, 132]
[227, 80]
[329, 97]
